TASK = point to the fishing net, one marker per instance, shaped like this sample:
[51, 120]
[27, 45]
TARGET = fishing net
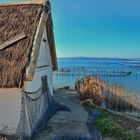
[34, 112]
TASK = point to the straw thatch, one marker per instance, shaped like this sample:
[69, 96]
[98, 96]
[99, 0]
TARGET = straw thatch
[14, 60]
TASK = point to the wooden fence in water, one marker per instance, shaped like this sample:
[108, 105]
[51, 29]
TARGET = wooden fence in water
[83, 71]
[116, 99]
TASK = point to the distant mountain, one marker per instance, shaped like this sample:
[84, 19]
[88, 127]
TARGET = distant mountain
[98, 58]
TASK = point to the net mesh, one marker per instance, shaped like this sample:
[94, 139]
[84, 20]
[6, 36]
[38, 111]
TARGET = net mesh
[35, 110]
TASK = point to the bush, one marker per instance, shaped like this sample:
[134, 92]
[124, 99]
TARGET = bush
[91, 88]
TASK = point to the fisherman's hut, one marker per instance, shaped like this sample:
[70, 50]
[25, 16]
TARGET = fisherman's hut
[27, 59]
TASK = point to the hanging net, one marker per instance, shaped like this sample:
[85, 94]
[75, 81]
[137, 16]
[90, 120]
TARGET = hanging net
[35, 110]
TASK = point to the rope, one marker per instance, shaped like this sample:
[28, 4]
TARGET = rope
[43, 89]
[35, 99]
[26, 92]
[44, 66]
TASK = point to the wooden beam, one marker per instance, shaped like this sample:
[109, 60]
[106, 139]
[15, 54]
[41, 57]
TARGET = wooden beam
[12, 40]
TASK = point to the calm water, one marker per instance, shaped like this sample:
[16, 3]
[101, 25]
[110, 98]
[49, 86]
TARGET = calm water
[131, 83]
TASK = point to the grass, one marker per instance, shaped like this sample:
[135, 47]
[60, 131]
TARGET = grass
[109, 127]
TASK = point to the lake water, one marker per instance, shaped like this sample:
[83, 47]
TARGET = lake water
[74, 68]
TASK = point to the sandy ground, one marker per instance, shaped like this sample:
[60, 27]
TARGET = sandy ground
[10, 109]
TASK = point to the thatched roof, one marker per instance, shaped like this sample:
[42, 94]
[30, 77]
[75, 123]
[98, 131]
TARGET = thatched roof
[15, 59]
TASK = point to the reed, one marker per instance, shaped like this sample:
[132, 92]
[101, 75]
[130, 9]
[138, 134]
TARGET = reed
[91, 88]
[116, 99]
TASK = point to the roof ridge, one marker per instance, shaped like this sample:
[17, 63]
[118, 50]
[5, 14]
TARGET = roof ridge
[22, 3]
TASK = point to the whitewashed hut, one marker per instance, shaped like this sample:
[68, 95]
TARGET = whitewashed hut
[27, 59]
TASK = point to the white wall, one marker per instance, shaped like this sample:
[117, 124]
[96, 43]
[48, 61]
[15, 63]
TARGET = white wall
[10, 107]
[43, 60]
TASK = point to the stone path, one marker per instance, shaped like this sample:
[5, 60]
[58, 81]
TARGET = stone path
[67, 124]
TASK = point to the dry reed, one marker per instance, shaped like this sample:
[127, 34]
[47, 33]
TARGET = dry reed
[116, 99]
[91, 88]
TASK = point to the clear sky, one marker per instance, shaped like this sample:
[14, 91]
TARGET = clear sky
[99, 28]
[106, 28]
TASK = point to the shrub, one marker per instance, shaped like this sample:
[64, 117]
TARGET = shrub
[91, 88]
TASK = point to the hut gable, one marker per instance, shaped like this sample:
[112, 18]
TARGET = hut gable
[18, 27]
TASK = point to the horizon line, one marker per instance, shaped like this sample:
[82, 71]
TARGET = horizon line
[96, 57]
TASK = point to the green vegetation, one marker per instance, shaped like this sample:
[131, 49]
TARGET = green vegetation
[109, 126]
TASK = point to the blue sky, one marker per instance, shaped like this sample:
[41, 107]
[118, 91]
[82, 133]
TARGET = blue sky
[99, 28]
[102, 28]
